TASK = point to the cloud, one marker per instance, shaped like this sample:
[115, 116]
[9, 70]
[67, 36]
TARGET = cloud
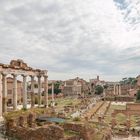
[73, 38]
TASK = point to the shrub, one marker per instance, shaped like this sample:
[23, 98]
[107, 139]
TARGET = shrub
[24, 109]
[99, 90]
[70, 103]
[76, 119]
[138, 95]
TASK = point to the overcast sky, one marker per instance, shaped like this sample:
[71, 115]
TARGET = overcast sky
[73, 38]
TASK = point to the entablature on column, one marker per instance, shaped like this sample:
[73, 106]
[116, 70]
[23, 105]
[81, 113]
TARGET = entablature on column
[18, 67]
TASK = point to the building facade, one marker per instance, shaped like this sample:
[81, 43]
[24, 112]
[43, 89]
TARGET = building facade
[10, 91]
[72, 87]
[94, 82]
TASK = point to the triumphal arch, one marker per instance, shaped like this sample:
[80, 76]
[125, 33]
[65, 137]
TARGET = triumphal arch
[20, 68]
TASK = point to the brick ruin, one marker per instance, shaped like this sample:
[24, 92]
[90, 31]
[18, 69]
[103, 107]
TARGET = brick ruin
[26, 128]
[131, 109]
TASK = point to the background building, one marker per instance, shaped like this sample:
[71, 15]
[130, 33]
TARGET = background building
[75, 87]
[10, 91]
[94, 83]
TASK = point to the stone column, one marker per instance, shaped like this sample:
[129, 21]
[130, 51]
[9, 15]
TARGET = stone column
[128, 123]
[46, 91]
[52, 93]
[0, 97]
[39, 90]
[24, 92]
[113, 122]
[32, 92]
[15, 92]
[4, 93]
[119, 89]
[114, 89]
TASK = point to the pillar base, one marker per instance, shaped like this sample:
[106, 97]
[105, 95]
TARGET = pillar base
[32, 107]
[53, 103]
[46, 106]
[1, 119]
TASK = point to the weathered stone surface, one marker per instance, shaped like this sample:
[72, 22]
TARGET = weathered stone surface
[21, 121]
[10, 124]
[61, 115]
[85, 131]
[51, 132]
[30, 119]
[18, 63]
[73, 138]
[107, 135]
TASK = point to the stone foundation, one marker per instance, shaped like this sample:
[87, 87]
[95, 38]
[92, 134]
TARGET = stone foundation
[85, 132]
[46, 132]
[120, 98]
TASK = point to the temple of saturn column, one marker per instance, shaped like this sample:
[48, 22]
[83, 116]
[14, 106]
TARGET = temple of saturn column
[19, 68]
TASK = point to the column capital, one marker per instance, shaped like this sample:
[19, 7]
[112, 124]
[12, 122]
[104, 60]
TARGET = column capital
[24, 75]
[4, 74]
[45, 76]
[39, 76]
[14, 75]
[32, 76]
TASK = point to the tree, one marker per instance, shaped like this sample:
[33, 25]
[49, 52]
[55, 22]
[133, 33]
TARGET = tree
[130, 81]
[105, 86]
[57, 90]
[134, 82]
[138, 95]
[99, 90]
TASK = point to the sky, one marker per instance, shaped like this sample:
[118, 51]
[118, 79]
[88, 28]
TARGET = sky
[73, 38]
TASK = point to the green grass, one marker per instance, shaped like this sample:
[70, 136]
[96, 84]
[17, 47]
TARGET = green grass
[119, 107]
[98, 136]
[70, 133]
[60, 105]
[66, 102]
[15, 114]
[133, 121]
[120, 118]
[76, 119]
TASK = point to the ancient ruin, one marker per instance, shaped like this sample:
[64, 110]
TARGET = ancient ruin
[16, 68]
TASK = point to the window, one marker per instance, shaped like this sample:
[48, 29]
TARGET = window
[9, 101]
[9, 91]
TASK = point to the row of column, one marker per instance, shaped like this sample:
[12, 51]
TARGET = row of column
[0, 97]
[3, 90]
[117, 89]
